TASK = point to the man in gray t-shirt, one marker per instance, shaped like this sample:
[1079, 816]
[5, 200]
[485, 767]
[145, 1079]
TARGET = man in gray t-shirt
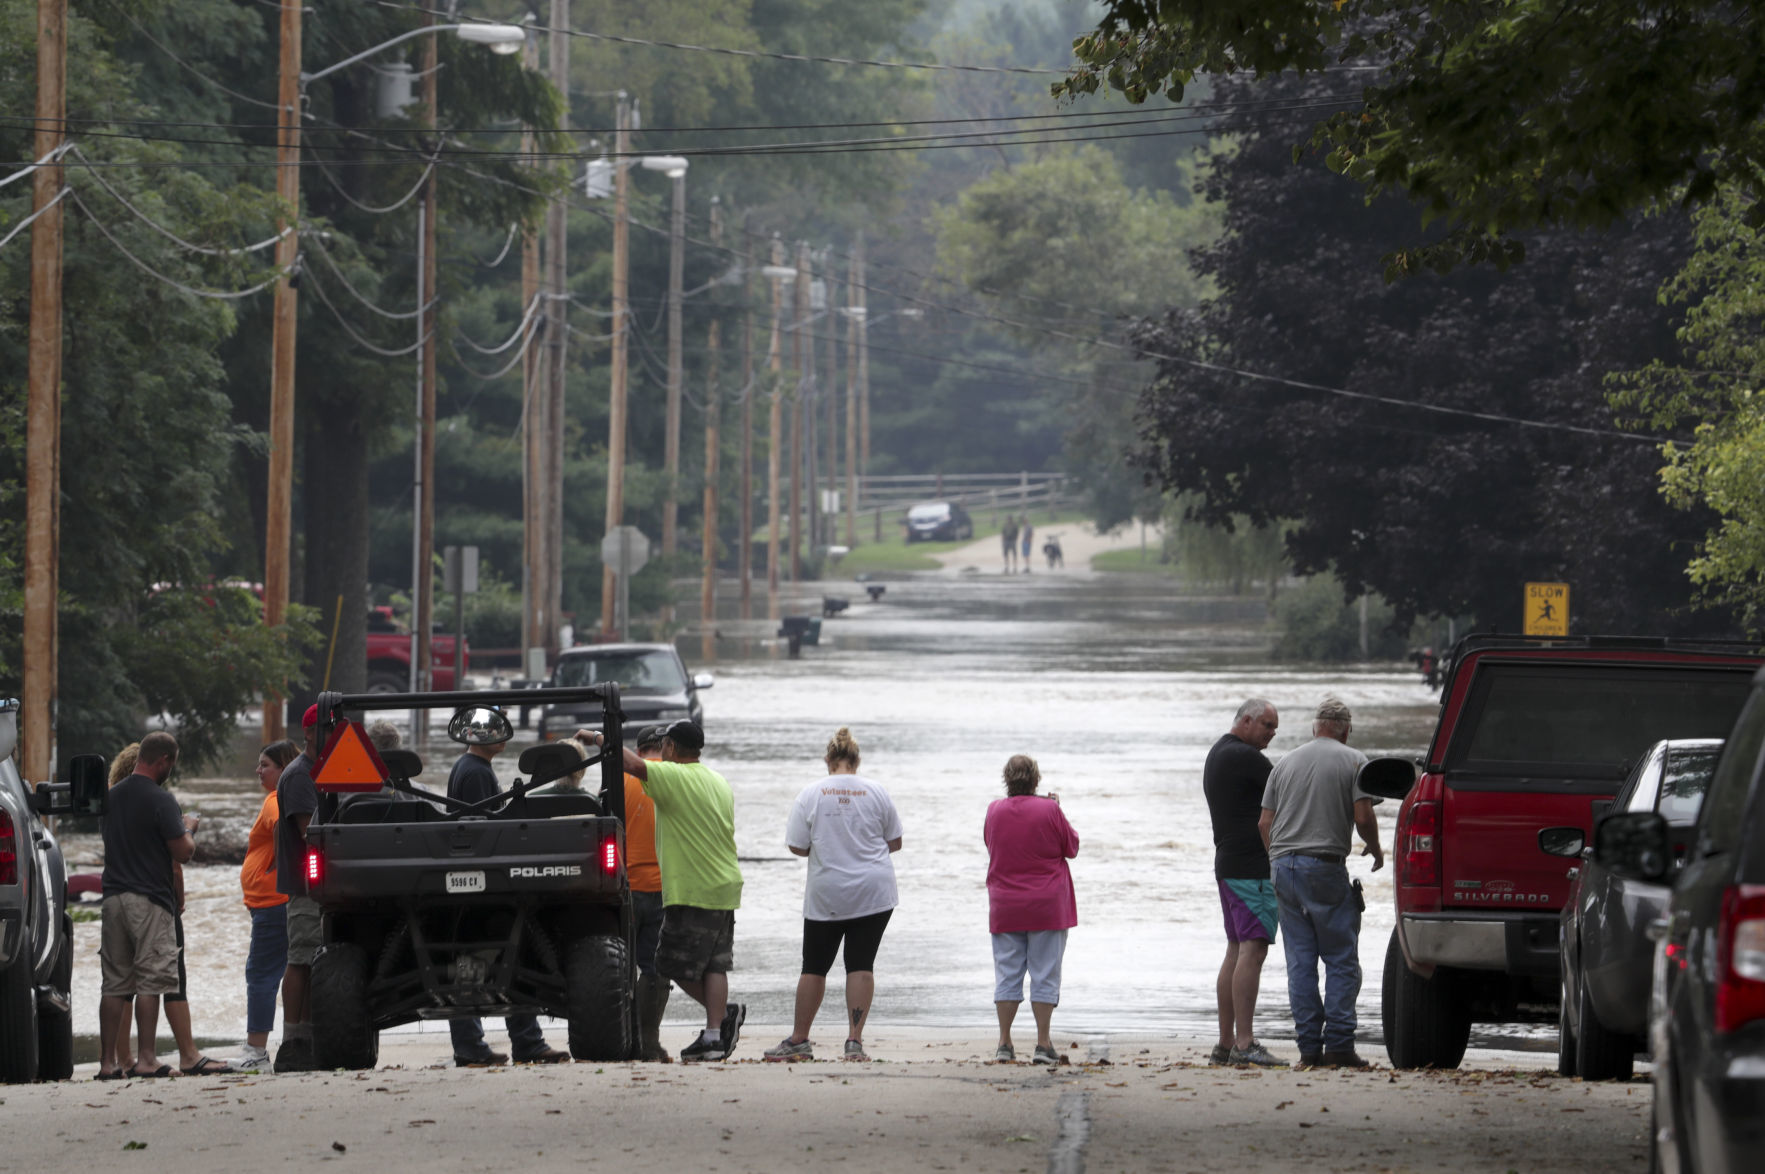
[1308, 807]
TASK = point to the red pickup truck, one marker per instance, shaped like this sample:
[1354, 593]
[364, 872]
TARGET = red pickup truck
[1533, 733]
[389, 657]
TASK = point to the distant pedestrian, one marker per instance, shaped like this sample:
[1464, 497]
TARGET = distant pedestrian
[144, 833]
[1008, 539]
[847, 826]
[1233, 780]
[473, 780]
[701, 880]
[267, 959]
[1311, 801]
[1029, 533]
[297, 798]
[1031, 899]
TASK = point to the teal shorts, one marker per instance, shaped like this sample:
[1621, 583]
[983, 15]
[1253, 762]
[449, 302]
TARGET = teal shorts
[1249, 907]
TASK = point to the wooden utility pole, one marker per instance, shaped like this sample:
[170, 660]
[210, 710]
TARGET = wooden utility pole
[809, 399]
[799, 318]
[557, 248]
[617, 371]
[713, 412]
[423, 603]
[42, 583]
[830, 394]
[746, 556]
[285, 322]
[533, 462]
[671, 437]
[775, 442]
[852, 292]
[860, 302]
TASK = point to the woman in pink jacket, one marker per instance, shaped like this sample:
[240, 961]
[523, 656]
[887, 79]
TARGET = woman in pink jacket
[1030, 892]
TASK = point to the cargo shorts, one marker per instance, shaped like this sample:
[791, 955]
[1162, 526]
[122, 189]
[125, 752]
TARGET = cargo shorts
[305, 931]
[695, 942]
[137, 947]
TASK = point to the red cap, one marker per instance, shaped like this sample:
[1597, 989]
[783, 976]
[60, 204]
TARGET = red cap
[311, 719]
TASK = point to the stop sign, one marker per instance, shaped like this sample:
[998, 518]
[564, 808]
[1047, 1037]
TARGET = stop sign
[625, 550]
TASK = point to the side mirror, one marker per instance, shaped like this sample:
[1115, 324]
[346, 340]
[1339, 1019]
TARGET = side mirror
[1634, 845]
[480, 726]
[704, 681]
[1388, 778]
[1561, 841]
[86, 792]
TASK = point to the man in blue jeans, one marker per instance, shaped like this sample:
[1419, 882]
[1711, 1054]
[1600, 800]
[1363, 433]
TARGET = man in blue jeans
[1311, 801]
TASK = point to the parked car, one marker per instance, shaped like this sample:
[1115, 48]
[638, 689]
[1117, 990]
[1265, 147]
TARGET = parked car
[389, 656]
[1707, 1009]
[654, 686]
[939, 521]
[1533, 733]
[1606, 955]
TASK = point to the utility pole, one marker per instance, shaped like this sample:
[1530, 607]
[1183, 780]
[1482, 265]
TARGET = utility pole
[617, 370]
[713, 410]
[746, 544]
[775, 442]
[557, 234]
[799, 317]
[285, 319]
[423, 602]
[533, 462]
[852, 280]
[809, 397]
[831, 429]
[43, 405]
[863, 364]
[671, 439]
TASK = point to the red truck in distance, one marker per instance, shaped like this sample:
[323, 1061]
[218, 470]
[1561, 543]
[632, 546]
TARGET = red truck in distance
[389, 656]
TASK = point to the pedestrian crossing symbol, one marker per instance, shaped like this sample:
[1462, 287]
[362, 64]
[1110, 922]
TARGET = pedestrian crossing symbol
[1547, 609]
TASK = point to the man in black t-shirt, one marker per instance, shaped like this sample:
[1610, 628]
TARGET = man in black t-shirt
[1233, 780]
[472, 780]
[296, 799]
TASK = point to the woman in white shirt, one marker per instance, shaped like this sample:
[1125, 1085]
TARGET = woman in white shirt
[847, 826]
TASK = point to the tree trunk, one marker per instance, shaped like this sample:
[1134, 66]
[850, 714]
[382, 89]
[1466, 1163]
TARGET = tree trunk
[335, 496]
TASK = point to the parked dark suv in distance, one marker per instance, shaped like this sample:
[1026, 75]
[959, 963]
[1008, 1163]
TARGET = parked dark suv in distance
[654, 686]
[939, 521]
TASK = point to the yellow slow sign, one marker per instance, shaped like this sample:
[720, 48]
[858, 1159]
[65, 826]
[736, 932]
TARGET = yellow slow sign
[1547, 609]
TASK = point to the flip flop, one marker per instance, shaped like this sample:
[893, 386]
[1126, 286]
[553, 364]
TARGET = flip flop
[164, 1070]
[117, 1075]
[207, 1067]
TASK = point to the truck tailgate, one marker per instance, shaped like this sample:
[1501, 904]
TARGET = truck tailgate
[490, 857]
[1492, 860]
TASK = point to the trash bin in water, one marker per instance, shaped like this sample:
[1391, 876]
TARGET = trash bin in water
[833, 605]
[800, 630]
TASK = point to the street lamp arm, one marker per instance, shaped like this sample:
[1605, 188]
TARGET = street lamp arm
[493, 35]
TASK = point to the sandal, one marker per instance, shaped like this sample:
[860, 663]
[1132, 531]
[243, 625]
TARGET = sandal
[117, 1075]
[207, 1067]
[164, 1070]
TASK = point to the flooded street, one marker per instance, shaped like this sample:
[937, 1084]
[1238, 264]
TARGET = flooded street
[1115, 684]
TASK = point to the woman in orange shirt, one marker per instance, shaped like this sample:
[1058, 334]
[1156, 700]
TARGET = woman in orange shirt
[269, 913]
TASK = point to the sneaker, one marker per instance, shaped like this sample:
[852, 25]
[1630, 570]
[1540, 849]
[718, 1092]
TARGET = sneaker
[1046, 1055]
[703, 1049]
[250, 1058]
[855, 1051]
[484, 1059]
[734, 1015]
[295, 1055]
[1348, 1059]
[786, 1050]
[1221, 1054]
[1005, 1055]
[1255, 1056]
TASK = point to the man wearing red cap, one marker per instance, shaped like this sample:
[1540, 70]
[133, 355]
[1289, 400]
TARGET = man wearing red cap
[296, 800]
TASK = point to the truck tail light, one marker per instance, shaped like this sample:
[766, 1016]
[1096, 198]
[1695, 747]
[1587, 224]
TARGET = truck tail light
[1418, 845]
[1740, 957]
[315, 867]
[610, 856]
[8, 849]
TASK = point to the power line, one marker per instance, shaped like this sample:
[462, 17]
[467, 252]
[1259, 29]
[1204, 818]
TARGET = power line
[26, 222]
[319, 288]
[168, 233]
[164, 48]
[317, 241]
[195, 291]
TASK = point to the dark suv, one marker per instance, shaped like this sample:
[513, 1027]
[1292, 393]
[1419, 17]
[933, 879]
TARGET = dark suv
[654, 686]
[1533, 734]
[1707, 1009]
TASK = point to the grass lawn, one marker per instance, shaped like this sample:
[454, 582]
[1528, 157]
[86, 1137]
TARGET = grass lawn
[1133, 562]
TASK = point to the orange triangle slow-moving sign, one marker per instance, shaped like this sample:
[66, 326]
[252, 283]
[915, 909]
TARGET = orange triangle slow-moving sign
[350, 762]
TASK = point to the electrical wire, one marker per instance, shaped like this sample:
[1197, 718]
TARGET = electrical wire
[525, 334]
[195, 291]
[317, 241]
[53, 155]
[164, 48]
[526, 320]
[26, 222]
[168, 233]
[319, 288]
[507, 245]
[416, 188]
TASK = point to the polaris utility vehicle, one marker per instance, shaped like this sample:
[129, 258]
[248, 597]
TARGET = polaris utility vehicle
[36, 933]
[436, 908]
[1533, 734]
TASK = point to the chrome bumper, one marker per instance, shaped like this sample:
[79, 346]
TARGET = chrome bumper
[1515, 943]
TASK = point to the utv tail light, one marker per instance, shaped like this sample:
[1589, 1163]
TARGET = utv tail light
[315, 868]
[1418, 845]
[1740, 957]
[610, 856]
[8, 849]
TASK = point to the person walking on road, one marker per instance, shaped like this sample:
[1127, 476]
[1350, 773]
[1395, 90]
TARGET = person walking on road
[473, 780]
[267, 957]
[1008, 539]
[847, 826]
[144, 833]
[1311, 802]
[1233, 780]
[1031, 900]
[1029, 533]
[701, 880]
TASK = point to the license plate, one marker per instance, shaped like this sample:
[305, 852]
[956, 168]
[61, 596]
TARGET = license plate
[465, 882]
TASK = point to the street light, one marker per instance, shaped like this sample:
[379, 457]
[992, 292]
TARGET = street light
[502, 39]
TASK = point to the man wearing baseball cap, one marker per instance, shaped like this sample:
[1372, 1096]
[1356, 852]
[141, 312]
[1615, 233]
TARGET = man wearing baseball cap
[296, 799]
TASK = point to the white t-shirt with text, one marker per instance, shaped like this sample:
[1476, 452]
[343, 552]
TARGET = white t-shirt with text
[846, 823]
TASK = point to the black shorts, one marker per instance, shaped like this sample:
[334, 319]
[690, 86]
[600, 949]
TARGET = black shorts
[695, 942]
[863, 936]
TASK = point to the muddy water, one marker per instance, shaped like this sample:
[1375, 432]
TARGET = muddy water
[1117, 687]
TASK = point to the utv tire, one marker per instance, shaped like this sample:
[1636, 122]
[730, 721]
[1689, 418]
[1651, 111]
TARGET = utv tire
[598, 974]
[1601, 1054]
[55, 1029]
[18, 1024]
[382, 681]
[343, 1028]
[1427, 1020]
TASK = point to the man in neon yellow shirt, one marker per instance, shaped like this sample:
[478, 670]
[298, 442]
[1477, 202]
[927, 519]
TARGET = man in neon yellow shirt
[701, 880]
